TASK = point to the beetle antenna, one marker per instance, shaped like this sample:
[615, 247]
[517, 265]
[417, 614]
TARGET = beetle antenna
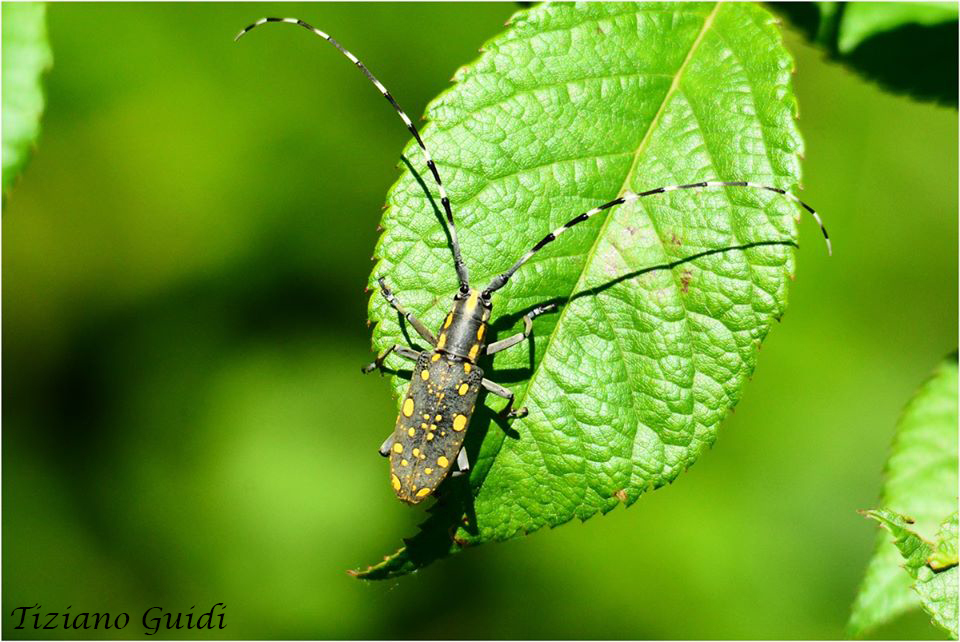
[501, 279]
[462, 274]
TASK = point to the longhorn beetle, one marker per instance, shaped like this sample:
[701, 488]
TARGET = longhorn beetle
[427, 441]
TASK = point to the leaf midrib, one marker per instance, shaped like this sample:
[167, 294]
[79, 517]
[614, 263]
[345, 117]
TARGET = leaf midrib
[674, 85]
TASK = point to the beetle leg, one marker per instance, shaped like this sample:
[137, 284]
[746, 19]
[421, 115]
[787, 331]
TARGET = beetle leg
[528, 318]
[463, 463]
[386, 446]
[403, 351]
[421, 329]
[508, 412]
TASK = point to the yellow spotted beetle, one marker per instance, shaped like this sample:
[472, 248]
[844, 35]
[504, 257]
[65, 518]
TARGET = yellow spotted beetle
[436, 410]
[427, 442]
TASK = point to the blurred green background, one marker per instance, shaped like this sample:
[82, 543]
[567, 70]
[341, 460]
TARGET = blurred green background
[185, 423]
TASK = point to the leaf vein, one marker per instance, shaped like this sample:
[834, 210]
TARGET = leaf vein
[708, 22]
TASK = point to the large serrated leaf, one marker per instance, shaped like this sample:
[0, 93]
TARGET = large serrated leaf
[26, 55]
[932, 567]
[663, 302]
[921, 481]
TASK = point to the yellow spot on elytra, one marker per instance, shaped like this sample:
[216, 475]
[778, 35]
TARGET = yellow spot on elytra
[404, 462]
[397, 448]
[424, 374]
[459, 422]
[467, 367]
[474, 350]
[435, 357]
[423, 492]
[446, 324]
[432, 427]
[480, 332]
[412, 432]
[442, 341]
[442, 461]
[427, 471]
[395, 481]
[438, 418]
[424, 426]
[416, 452]
[426, 416]
[408, 407]
[463, 388]
[429, 436]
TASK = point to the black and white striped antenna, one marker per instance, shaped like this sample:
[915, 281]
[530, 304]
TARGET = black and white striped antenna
[462, 274]
[501, 279]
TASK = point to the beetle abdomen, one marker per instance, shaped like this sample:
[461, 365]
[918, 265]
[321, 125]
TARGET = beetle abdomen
[433, 421]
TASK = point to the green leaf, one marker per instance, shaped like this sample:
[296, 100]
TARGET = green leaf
[921, 481]
[946, 554]
[932, 566]
[907, 47]
[664, 302]
[862, 21]
[26, 55]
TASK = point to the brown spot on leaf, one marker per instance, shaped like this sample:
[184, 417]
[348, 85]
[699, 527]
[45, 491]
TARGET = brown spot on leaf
[621, 495]
[685, 279]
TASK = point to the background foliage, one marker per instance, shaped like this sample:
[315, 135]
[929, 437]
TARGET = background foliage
[932, 565]
[26, 55]
[185, 422]
[906, 47]
[920, 482]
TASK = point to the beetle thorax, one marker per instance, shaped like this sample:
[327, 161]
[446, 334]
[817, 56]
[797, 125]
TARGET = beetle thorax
[464, 331]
